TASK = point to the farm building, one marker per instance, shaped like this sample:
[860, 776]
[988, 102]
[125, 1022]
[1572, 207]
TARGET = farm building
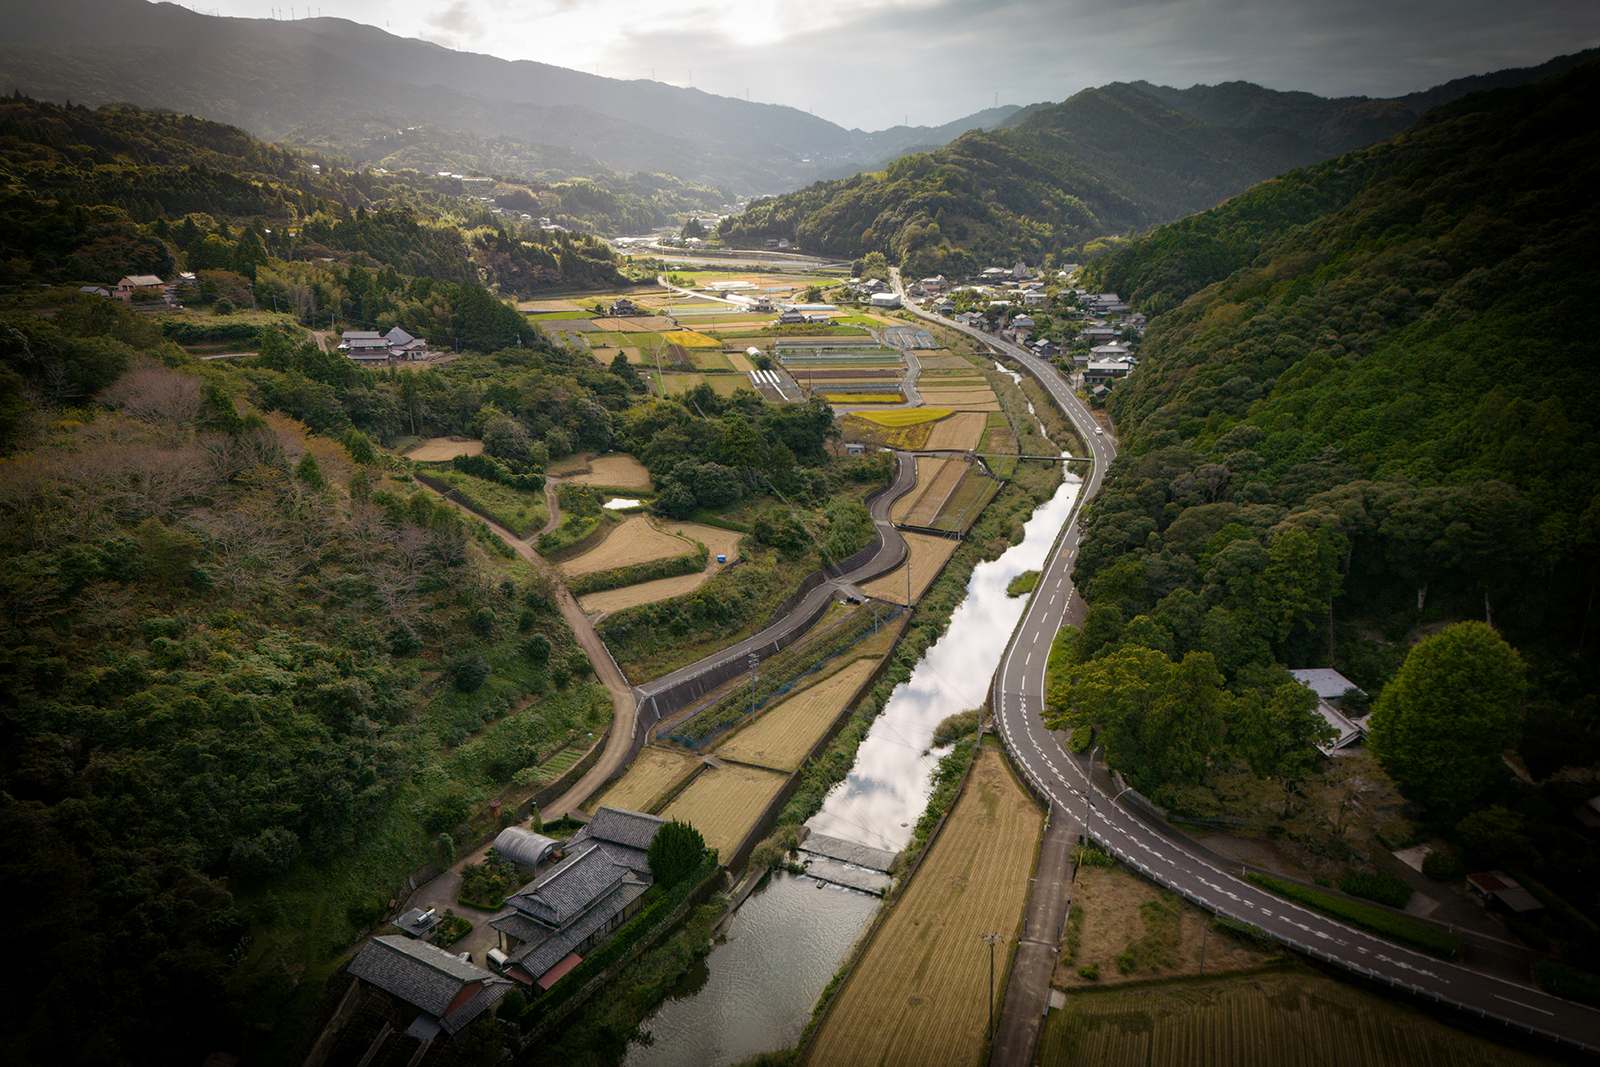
[576, 904]
[449, 992]
[885, 300]
[523, 847]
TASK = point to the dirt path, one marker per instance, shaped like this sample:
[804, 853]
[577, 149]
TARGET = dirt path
[550, 505]
[605, 669]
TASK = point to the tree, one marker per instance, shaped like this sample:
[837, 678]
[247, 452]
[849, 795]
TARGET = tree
[1277, 730]
[675, 853]
[1439, 727]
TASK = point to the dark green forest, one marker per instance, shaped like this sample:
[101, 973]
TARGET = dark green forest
[1367, 409]
[1111, 160]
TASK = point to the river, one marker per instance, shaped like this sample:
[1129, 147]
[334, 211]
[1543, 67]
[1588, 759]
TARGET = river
[759, 985]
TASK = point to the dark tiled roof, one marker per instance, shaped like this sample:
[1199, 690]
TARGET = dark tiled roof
[537, 957]
[519, 926]
[569, 887]
[632, 828]
[427, 977]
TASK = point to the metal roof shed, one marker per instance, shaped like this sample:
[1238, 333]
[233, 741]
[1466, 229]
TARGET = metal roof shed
[523, 847]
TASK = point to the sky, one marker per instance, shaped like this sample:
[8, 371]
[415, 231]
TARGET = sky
[877, 63]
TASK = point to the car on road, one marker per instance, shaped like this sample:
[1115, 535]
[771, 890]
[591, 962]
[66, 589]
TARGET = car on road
[1099, 431]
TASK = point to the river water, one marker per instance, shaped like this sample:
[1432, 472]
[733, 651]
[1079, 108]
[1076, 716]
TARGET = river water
[759, 985]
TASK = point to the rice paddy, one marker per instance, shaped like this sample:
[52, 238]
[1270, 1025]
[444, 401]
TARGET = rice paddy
[784, 734]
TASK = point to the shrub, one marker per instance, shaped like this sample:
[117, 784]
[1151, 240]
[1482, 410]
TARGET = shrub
[1090, 972]
[957, 726]
[1443, 866]
[1568, 982]
[579, 664]
[1401, 928]
[675, 853]
[538, 650]
[1082, 737]
[1384, 888]
[470, 672]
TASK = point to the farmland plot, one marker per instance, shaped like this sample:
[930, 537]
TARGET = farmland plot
[630, 596]
[929, 554]
[942, 359]
[933, 492]
[438, 449]
[782, 735]
[617, 471]
[1296, 1018]
[718, 542]
[919, 995]
[961, 430]
[636, 540]
[723, 803]
[652, 776]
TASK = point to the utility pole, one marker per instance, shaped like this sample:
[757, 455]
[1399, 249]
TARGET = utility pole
[991, 938]
[754, 661]
[1204, 930]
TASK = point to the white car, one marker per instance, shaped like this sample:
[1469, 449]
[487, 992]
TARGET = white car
[1099, 431]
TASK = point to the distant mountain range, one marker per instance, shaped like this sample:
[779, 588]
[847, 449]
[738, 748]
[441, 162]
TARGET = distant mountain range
[278, 78]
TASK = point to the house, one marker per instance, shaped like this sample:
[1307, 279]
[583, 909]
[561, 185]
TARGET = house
[1331, 687]
[94, 290]
[994, 273]
[1098, 331]
[1022, 322]
[1035, 298]
[403, 346]
[128, 285]
[791, 317]
[945, 307]
[1020, 270]
[578, 903]
[1045, 347]
[935, 284]
[1111, 350]
[449, 992]
[1498, 887]
[1101, 371]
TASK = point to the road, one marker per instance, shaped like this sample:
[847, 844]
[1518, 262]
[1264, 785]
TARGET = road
[1018, 695]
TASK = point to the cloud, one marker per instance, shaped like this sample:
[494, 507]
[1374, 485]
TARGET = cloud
[454, 27]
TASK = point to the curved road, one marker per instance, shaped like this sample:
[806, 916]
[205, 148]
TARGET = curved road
[1018, 691]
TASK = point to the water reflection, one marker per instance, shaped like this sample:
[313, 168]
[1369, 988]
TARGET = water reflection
[758, 985]
[880, 800]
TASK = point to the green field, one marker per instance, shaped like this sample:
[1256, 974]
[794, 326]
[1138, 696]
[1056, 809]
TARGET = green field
[518, 511]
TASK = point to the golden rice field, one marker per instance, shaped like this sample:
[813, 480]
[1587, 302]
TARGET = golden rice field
[932, 493]
[1294, 1018]
[723, 803]
[617, 470]
[653, 774]
[644, 593]
[635, 540]
[929, 553]
[438, 449]
[783, 735]
[691, 339]
[919, 994]
[962, 430]
[908, 417]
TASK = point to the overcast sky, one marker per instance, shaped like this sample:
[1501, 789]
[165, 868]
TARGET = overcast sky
[876, 63]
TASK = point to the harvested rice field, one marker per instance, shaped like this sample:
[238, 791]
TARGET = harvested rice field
[709, 359]
[646, 324]
[929, 554]
[635, 540]
[960, 399]
[718, 542]
[724, 803]
[863, 398]
[644, 593]
[784, 734]
[652, 776]
[942, 359]
[1293, 1017]
[934, 486]
[961, 430]
[920, 993]
[970, 496]
[739, 361]
[617, 471]
[439, 449]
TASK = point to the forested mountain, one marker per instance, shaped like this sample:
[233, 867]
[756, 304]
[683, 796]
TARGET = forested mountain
[1368, 406]
[1107, 161]
[92, 195]
[272, 77]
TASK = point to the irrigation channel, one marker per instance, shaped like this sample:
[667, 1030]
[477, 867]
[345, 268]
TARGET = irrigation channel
[759, 985]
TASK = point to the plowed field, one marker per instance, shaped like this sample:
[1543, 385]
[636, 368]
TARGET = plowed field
[618, 470]
[919, 995]
[723, 803]
[961, 430]
[653, 774]
[635, 541]
[928, 556]
[783, 734]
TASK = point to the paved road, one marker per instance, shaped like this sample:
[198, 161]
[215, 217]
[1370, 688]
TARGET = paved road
[1019, 700]
[889, 556]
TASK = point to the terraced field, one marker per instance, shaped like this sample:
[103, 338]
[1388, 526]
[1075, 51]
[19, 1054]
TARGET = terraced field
[652, 776]
[723, 803]
[636, 540]
[919, 994]
[782, 735]
[617, 471]
[1296, 1018]
[961, 430]
[929, 553]
[436, 449]
[932, 494]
